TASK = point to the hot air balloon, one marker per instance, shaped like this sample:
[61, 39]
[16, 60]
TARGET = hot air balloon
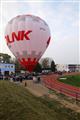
[27, 36]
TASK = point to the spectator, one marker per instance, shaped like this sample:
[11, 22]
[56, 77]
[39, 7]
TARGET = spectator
[38, 79]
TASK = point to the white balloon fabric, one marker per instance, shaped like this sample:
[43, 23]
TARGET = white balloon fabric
[27, 37]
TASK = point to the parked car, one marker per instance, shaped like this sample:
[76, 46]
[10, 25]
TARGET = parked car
[29, 77]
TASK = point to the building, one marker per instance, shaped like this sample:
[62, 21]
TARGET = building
[66, 67]
[62, 67]
[7, 69]
[74, 67]
[78, 68]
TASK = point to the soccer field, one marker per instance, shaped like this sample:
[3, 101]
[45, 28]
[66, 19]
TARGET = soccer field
[73, 80]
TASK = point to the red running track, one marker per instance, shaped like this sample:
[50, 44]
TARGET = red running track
[51, 82]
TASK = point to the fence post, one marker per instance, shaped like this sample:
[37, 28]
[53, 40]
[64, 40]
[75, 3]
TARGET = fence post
[60, 92]
[25, 84]
[76, 97]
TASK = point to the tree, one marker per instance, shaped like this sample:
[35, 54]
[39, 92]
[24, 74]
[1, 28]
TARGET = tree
[5, 58]
[53, 66]
[18, 66]
[38, 68]
[48, 64]
[45, 63]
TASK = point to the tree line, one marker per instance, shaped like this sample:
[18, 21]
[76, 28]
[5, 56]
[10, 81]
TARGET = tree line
[43, 64]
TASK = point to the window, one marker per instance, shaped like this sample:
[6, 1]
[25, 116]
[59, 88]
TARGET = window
[11, 66]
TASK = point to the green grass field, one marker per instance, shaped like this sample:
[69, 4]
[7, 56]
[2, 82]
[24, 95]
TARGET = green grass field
[16, 103]
[72, 80]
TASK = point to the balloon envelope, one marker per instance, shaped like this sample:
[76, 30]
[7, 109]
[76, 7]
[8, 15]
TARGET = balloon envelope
[27, 37]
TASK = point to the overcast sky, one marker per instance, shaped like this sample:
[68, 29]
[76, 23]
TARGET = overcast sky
[62, 18]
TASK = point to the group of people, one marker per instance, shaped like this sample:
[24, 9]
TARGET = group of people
[17, 78]
[20, 78]
[35, 78]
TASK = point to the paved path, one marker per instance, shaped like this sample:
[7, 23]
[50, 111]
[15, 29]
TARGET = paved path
[36, 88]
